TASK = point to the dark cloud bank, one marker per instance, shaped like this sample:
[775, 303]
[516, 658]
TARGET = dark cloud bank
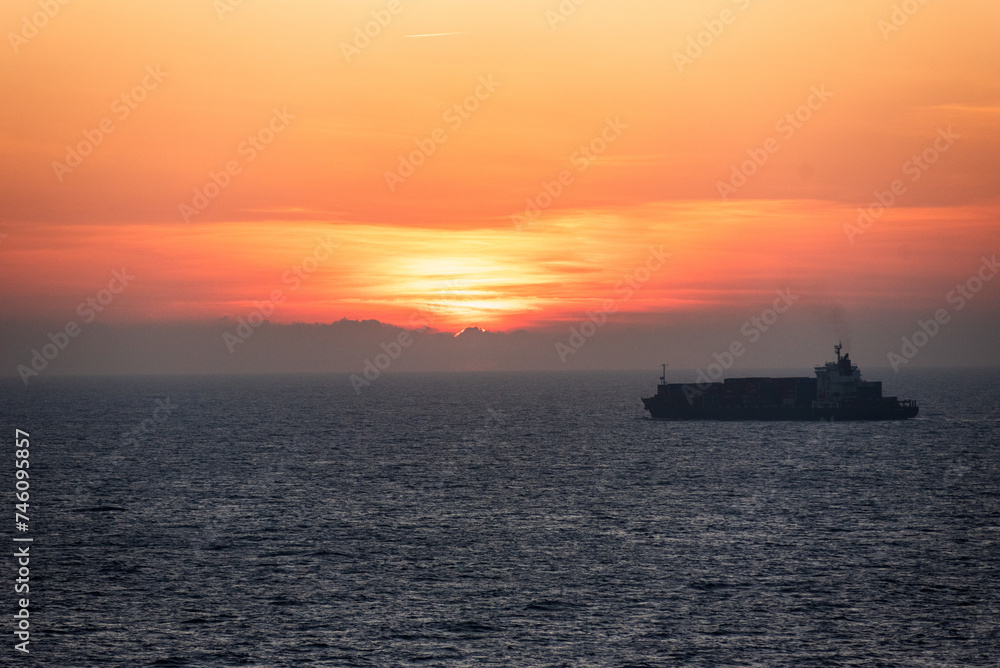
[350, 346]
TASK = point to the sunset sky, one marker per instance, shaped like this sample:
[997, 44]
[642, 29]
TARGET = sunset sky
[620, 121]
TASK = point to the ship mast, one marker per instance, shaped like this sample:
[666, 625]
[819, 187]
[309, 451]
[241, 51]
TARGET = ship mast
[663, 378]
[838, 348]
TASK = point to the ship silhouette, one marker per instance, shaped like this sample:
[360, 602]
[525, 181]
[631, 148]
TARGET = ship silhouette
[836, 393]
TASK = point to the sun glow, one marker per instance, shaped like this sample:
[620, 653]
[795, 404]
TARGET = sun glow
[501, 278]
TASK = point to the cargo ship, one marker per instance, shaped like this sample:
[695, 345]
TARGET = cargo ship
[836, 393]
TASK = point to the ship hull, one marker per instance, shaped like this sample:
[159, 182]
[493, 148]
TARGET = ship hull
[659, 410]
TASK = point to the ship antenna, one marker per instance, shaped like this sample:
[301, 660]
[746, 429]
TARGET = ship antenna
[663, 378]
[838, 348]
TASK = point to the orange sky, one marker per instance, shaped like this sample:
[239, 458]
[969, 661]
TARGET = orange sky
[663, 131]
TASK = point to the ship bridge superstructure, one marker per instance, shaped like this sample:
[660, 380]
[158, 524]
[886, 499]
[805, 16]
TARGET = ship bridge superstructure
[836, 381]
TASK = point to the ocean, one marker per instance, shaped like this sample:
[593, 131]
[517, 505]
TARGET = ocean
[499, 519]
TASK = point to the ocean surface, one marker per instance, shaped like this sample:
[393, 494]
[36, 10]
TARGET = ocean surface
[532, 519]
